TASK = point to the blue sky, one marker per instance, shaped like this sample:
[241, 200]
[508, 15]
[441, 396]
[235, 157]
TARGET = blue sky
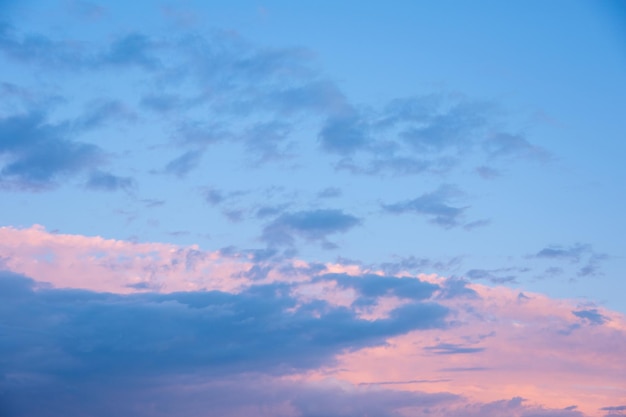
[478, 142]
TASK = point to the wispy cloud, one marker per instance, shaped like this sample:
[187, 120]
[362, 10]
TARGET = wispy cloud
[311, 225]
[105, 181]
[435, 205]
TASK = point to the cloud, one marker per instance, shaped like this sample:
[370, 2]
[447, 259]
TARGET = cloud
[102, 111]
[311, 225]
[161, 103]
[373, 286]
[509, 145]
[85, 9]
[38, 49]
[343, 134]
[494, 275]
[330, 192]
[452, 349]
[450, 129]
[575, 254]
[130, 50]
[37, 153]
[183, 327]
[260, 97]
[183, 164]
[434, 205]
[572, 253]
[591, 316]
[104, 181]
[487, 173]
[65, 334]
[264, 140]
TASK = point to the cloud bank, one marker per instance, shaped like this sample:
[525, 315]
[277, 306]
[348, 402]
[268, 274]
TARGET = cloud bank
[169, 329]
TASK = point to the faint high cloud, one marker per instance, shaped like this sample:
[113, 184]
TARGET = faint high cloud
[435, 205]
[572, 253]
[85, 9]
[105, 181]
[183, 164]
[343, 135]
[508, 145]
[578, 253]
[422, 134]
[103, 111]
[311, 225]
[330, 192]
[496, 276]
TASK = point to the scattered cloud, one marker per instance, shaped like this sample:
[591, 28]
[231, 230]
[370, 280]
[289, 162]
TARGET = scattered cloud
[435, 205]
[496, 276]
[487, 173]
[343, 134]
[452, 349]
[574, 254]
[183, 164]
[311, 225]
[509, 145]
[37, 153]
[330, 192]
[100, 112]
[591, 316]
[104, 181]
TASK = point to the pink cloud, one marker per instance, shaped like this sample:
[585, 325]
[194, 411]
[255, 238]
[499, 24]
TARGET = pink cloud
[498, 344]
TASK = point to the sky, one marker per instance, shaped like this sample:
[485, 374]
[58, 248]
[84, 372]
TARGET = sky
[312, 209]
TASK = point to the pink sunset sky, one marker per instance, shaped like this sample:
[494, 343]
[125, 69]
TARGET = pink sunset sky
[312, 209]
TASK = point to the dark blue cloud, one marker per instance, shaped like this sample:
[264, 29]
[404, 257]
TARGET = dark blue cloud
[192, 396]
[452, 349]
[37, 153]
[434, 205]
[373, 286]
[80, 334]
[591, 316]
[614, 410]
[311, 225]
[457, 288]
